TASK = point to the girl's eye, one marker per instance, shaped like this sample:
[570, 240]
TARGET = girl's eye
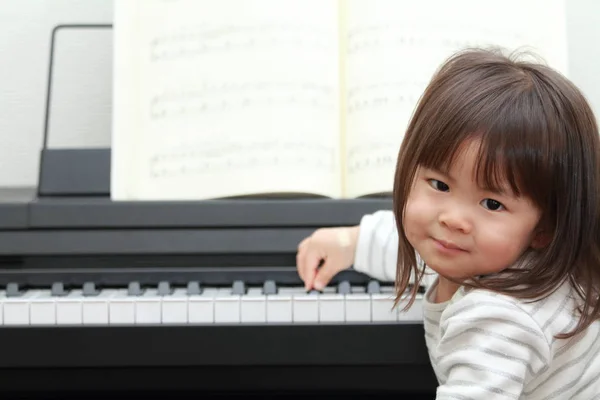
[492, 205]
[439, 185]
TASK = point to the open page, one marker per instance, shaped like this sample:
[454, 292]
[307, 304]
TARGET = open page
[225, 98]
[395, 46]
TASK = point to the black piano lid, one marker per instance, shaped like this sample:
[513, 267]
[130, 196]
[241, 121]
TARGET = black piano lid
[73, 214]
[14, 202]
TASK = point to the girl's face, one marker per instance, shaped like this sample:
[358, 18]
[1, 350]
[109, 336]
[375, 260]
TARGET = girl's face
[462, 230]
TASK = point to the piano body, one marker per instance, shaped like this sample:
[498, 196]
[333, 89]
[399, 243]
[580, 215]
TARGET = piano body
[100, 297]
[166, 298]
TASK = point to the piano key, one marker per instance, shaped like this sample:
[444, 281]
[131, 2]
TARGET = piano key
[16, 308]
[164, 288]
[58, 289]
[414, 313]
[227, 306]
[193, 288]
[89, 289]
[201, 308]
[121, 307]
[344, 287]
[331, 307]
[269, 287]
[254, 306]
[12, 290]
[373, 287]
[279, 307]
[175, 307]
[358, 305]
[2, 298]
[69, 310]
[148, 307]
[42, 308]
[238, 288]
[291, 290]
[95, 309]
[134, 289]
[358, 289]
[305, 307]
[382, 303]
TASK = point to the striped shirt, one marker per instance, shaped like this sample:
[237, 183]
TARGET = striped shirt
[484, 345]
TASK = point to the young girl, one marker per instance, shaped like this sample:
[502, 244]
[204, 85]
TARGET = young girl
[496, 190]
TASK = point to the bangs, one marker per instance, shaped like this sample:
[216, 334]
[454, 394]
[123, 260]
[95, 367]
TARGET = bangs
[509, 124]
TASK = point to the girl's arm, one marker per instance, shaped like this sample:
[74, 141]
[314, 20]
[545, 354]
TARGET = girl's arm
[377, 246]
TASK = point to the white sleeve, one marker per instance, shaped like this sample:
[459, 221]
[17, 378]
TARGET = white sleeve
[377, 248]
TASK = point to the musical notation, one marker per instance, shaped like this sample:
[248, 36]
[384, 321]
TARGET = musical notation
[214, 97]
[207, 39]
[214, 158]
[384, 94]
[442, 37]
[372, 156]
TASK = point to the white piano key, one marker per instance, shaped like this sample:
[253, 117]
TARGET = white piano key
[381, 307]
[358, 289]
[358, 307]
[148, 307]
[121, 308]
[331, 307]
[414, 313]
[305, 307]
[227, 306]
[254, 306]
[2, 298]
[16, 309]
[96, 308]
[201, 308]
[69, 308]
[42, 309]
[292, 290]
[279, 307]
[175, 307]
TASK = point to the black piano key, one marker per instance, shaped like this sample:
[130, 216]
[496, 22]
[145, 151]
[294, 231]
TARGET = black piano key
[134, 289]
[238, 288]
[193, 288]
[12, 290]
[373, 287]
[89, 289]
[164, 288]
[269, 287]
[344, 287]
[58, 289]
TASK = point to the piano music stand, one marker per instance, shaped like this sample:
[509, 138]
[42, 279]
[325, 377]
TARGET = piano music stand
[71, 172]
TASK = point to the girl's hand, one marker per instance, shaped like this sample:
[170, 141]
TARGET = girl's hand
[325, 253]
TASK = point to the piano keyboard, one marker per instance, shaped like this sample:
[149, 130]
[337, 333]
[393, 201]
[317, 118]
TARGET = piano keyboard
[194, 304]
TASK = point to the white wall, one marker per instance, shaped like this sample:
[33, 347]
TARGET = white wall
[81, 92]
[25, 28]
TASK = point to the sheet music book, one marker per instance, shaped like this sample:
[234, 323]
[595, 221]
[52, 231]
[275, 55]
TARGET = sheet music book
[224, 98]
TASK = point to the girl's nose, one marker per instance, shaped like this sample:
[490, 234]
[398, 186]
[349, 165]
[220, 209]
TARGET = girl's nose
[455, 220]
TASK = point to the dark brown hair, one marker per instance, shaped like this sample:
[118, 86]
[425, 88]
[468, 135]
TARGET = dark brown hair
[539, 135]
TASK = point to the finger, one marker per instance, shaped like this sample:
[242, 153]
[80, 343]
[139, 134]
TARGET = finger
[311, 264]
[324, 275]
[303, 243]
